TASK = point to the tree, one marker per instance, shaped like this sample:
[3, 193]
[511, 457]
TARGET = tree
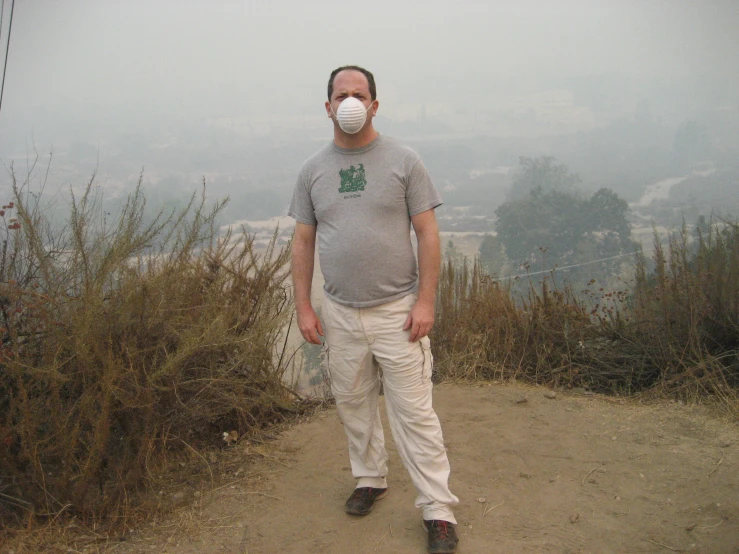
[541, 175]
[562, 227]
[606, 215]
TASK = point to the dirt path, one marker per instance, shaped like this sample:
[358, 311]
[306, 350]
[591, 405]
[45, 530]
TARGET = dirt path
[571, 474]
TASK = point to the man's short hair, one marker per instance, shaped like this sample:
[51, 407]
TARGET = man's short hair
[363, 71]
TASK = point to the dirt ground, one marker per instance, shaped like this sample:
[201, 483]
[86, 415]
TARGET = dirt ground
[576, 473]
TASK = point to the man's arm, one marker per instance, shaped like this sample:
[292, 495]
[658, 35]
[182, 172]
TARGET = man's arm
[303, 253]
[421, 319]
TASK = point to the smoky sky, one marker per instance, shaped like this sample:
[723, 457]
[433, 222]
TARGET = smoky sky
[81, 69]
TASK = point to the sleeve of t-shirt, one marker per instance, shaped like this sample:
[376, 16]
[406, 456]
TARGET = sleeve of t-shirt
[301, 206]
[420, 194]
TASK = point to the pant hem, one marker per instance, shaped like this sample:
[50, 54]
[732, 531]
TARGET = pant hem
[374, 482]
[444, 514]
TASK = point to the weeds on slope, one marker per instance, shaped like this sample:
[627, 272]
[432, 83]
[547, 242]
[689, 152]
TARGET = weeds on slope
[686, 314]
[674, 333]
[124, 344]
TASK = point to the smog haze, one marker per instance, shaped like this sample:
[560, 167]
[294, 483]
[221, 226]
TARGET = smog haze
[626, 95]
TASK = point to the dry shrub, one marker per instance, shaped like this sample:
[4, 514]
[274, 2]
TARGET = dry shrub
[686, 314]
[124, 343]
[481, 332]
[675, 334]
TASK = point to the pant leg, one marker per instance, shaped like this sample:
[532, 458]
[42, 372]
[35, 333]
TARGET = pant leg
[355, 385]
[406, 368]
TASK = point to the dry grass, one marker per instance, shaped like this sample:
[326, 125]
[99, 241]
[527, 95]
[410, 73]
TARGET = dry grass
[483, 333]
[675, 334]
[127, 346]
[686, 315]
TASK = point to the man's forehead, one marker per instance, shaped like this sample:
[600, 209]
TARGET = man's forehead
[351, 78]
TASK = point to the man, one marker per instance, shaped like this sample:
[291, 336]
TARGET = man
[359, 196]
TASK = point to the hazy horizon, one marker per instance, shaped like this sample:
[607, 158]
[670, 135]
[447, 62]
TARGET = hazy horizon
[83, 71]
[233, 92]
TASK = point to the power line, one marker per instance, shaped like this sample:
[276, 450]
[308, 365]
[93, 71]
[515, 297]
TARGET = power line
[7, 49]
[2, 12]
[565, 267]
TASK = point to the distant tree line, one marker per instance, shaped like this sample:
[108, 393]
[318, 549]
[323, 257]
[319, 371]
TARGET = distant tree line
[548, 222]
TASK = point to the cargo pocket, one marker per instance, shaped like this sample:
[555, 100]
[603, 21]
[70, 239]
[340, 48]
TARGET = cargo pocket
[428, 358]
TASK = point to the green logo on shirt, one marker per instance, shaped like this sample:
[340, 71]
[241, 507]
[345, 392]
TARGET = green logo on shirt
[352, 179]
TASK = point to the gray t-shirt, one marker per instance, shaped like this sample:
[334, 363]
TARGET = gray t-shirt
[361, 201]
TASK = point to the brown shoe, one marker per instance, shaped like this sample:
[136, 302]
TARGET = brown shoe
[442, 536]
[361, 500]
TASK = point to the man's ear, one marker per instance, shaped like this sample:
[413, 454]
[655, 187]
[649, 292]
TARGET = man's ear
[328, 109]
[375, 106]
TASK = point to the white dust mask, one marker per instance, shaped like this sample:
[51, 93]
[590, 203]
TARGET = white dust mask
[351, 115]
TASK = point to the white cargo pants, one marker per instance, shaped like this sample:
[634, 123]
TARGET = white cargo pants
[359, 340]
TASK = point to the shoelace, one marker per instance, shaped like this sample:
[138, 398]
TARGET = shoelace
[364, 492]
[443, 528]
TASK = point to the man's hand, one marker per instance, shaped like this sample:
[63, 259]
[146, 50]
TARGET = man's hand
[420, 320]
[309, 325]
[301, 264]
